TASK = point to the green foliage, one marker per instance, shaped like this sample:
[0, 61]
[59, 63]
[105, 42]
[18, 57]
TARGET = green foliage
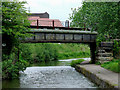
[40, 52]
[14, 24]
[104, 19]
[74, 62]
[72, 50]
[69, 55]
[10, 69]
[112, 65]
[25, 53]
[116, 48]
[98, 63]
[43, 52]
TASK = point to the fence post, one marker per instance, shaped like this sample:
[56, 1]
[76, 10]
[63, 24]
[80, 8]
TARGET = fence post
[53, 24]
[37, 23]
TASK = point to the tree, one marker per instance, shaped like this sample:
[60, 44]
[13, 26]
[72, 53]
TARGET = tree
[15, 24]
[102, 16]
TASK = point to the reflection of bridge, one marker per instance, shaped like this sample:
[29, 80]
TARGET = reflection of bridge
[49, 34]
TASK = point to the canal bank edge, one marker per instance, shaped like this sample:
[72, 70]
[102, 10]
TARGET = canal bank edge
[102, 77]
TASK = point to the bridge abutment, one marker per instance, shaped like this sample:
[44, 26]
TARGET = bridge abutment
[92, 52]
[104, 52]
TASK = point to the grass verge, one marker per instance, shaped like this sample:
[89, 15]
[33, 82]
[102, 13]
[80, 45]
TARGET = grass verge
[74, 62]
[112, 65]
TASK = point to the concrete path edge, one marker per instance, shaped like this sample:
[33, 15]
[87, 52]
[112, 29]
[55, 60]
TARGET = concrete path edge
[102, 83]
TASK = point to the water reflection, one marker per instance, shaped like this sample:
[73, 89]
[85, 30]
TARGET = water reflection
[15, 83]
[65, 62]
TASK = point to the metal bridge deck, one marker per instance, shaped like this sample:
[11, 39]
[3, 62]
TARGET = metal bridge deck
[60, 36]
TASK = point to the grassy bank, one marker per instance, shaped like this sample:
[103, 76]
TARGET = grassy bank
[112, 65]
[56, 51]
[74, 62]
[72, 50]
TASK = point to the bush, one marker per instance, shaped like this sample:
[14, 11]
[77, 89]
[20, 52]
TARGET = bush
[112, 65]
[116, 49]
[40, 52]
[25, 52]
[11, 70]
[74, 62]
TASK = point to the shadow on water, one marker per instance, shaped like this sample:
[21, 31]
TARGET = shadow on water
[15, 83]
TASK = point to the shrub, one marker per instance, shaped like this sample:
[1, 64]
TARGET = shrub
[74, 62]
[40, 52]
[116, 49]
[25, 52]
[11, 70]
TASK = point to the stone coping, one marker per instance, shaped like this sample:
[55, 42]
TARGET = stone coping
[102, 77]
[63, 31]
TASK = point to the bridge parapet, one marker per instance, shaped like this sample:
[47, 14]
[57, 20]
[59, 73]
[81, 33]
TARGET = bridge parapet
[61, 36]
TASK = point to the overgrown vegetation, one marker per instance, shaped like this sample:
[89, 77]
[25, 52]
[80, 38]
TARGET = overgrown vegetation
[103, 19]
[71, 50]
[42, 52]
[15, 24]
[74, 62]
[116, 49]
[10, 69]
[112, 65]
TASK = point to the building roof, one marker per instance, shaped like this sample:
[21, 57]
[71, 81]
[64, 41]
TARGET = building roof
[44, 21]
[41, 15]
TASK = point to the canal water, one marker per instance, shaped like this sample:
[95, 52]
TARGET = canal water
[57, 74]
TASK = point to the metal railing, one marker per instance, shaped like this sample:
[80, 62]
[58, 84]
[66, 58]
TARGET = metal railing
[53, 24]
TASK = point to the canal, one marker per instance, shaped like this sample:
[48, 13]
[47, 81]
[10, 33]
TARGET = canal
[55, 74]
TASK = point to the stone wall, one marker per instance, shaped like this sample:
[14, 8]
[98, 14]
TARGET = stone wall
[104, 52]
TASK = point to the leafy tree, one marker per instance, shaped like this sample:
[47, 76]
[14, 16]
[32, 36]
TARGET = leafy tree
[100, 16]
[14, 24]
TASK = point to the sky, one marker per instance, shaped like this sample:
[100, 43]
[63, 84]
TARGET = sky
[57, 9]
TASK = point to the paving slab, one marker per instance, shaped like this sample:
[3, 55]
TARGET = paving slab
[102, 77]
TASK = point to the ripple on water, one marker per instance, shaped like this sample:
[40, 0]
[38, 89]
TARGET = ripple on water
[53, 77]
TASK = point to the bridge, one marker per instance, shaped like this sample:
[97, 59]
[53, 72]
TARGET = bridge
[52, 34]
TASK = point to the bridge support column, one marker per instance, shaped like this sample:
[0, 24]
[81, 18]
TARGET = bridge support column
[92, 51]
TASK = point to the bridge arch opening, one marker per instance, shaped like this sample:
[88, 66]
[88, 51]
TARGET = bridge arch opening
[43, 52]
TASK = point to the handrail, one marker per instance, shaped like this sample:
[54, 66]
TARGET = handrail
[54, 24]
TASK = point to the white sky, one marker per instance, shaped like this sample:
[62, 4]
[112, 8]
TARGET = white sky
[57, 9]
